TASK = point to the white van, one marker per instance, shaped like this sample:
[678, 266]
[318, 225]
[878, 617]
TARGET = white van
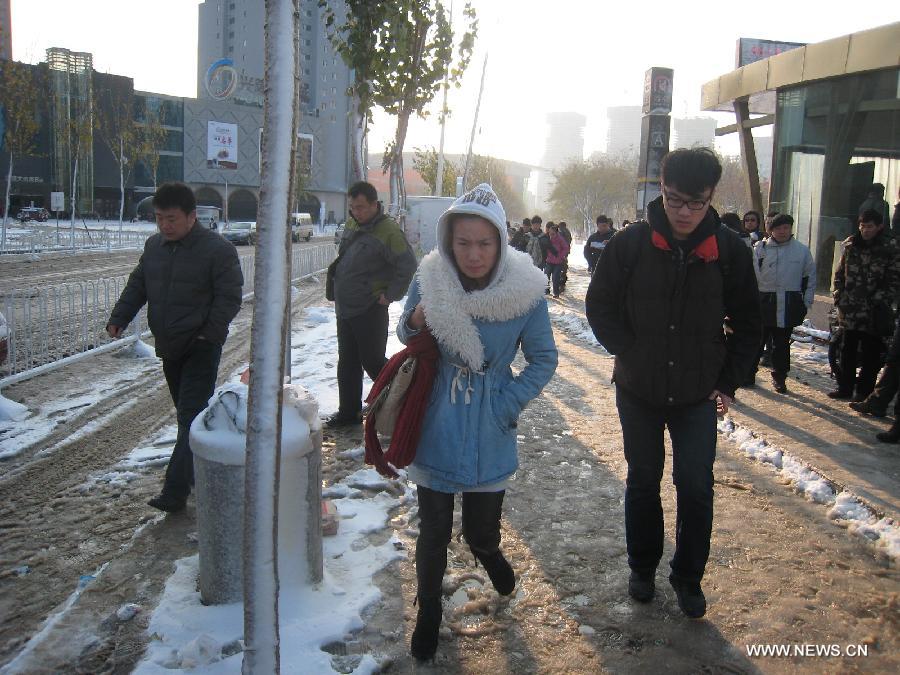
[209, 217]
[301, 226]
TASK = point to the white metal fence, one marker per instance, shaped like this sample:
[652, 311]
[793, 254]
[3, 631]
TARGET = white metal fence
[54, 323]
[35, 240]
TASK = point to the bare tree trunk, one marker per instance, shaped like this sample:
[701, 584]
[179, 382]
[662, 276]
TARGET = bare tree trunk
[6, 204]
[121, 186]
[268, 342]
[358, 134]
[397, 181]
[73, 201]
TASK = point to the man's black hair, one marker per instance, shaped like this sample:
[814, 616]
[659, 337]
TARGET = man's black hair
[365, 189]
[732, 221]
[175, 195]
[871, 216]
[536, 219]
[602, 219]
[753, 213]
[526, 221]
[782, 219]
[691, 170]
[877, 189]
[562, 223]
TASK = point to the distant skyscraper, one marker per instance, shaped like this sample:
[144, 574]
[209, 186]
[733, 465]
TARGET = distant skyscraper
[231, 66]
[623, 132]
[694, 131]
[565, 140]
[5, 30]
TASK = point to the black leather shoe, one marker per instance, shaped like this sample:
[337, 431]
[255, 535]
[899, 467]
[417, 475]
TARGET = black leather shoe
[168, 503]
[642, 587]
[423, 644]
[892, 435]
[868, 407]
[339, 419]
[779, 384]
[500, 572]
[690, 598]
[840, 395]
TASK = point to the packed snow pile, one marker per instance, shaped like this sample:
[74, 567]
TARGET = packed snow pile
[186, 635]
[845, 508]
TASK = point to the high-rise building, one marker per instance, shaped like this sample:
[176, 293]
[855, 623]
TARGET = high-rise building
[565, 142]
[695, 132]
[231, 69]
[623, 131]
[5, 30]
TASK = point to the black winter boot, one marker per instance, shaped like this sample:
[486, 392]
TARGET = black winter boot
[892, 435]
[499, 570]
[425, 636]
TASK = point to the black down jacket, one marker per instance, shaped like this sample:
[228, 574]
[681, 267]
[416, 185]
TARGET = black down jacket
[661, 307]
[192, 288]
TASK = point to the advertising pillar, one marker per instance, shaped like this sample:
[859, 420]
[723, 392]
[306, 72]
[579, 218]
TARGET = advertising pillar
[655, 129]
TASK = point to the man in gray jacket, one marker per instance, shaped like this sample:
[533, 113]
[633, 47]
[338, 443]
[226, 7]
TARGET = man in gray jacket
[786, 275]
[190, 278]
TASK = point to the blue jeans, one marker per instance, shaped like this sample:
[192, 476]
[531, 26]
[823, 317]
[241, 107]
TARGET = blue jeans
[692, 429]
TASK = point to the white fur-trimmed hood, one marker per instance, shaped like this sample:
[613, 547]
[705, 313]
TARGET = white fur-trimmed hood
[450, 311]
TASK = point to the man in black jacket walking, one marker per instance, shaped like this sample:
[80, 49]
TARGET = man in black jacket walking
[658, 300]
[595, 244]
[190, 279]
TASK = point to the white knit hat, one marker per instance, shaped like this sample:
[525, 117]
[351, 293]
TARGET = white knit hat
[479, 201]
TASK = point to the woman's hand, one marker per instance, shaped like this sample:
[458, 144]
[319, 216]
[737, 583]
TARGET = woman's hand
[416, 320]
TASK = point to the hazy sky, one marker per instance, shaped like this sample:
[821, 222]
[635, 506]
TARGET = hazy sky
[544, 56]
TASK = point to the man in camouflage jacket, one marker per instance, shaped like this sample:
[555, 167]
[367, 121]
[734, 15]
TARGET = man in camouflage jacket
[866, 283]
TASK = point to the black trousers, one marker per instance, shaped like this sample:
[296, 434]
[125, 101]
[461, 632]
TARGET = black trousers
[192, 380]
[889, 381]
[871, 362]
[692, 429]
[780, 339]
[480, 525]
[361, 344]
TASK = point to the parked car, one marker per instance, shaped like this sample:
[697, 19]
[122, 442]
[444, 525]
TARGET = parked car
[301, 227]
[38, 213]
[242, 232]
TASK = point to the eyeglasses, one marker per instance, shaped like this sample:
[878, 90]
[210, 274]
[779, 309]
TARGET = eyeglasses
[677, 202]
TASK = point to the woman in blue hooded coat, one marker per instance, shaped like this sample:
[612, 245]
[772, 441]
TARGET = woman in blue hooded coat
[482, 301]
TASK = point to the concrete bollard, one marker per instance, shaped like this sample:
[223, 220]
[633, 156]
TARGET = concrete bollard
[218, 441]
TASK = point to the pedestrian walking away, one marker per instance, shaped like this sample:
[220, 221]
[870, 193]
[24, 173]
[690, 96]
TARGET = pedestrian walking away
[556, 258]
[866, 283]
[658, 300]
[482, 301]
[190, 279]
[595, 244]
[374, 266]
[786, 276]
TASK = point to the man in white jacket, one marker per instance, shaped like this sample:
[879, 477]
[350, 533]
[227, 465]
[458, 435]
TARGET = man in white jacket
[786, 275]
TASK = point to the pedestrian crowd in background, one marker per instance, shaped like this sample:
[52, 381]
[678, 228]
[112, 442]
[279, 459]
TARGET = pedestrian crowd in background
[690, 303]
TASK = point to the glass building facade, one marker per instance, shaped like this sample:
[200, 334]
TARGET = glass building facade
[834, 138]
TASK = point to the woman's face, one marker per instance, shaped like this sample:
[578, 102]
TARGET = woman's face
[476, 245]
[751, 222]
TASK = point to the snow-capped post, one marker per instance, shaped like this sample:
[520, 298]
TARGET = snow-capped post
[269, 334]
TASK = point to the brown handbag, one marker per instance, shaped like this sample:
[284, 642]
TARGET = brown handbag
[390, 399]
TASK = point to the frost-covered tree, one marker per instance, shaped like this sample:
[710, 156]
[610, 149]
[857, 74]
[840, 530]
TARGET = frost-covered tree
[268, 341]
[114, 124]
[19, 96]
[402, 50]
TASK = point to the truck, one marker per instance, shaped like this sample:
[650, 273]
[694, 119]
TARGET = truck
[209, 217]
[301, 227]
[422, 214]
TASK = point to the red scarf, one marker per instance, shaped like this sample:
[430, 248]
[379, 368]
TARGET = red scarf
[402, 450]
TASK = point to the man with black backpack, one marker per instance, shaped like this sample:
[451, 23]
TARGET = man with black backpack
[658, 299]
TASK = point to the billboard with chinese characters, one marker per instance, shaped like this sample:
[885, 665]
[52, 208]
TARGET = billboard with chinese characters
[751, 50]
[222, 145]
